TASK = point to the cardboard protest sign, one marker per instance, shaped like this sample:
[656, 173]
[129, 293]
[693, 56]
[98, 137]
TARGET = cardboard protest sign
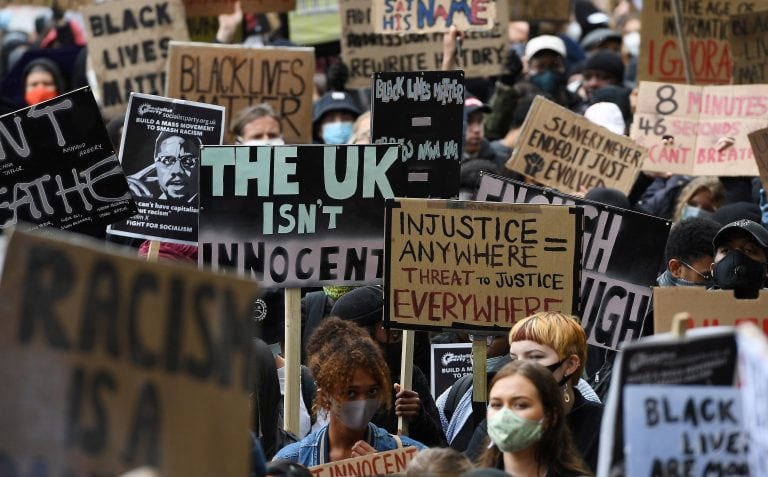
[749, 50]
[160, 153]
[64, 4]
[407, 16]
[240, 76]
[110, 362]
[696, 428]
[707, 308]
[128, 44]
[705, 26]
[622, 253]
[708, 126]
[295, 216]
[449, 363]
[533, 10]
[478, 265]
[58, 168]
[198, 8]
[753, 354]
[366, 52]
[759, 142]
[424, 112]
[702, 356]
[562, 149]
[393, 462]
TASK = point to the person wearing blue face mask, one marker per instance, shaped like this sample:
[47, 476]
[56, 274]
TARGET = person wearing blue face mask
[333, 117]
[545, 56]
[688, 253]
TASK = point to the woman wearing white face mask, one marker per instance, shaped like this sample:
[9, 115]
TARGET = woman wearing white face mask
[352, 383]
[258, 125]
[528, 435]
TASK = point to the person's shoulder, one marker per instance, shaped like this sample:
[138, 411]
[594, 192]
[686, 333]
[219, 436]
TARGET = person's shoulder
[409, 442]
[290, 452]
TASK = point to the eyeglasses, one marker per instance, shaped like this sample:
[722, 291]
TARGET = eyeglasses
[187, 162]
[705, 275]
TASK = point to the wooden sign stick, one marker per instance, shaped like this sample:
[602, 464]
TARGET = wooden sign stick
[479, 377]
[292, 360]
[154, 251]
[678, 11]
[406, 375]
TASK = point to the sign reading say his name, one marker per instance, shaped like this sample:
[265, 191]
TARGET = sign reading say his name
[423, 111]
[532, 10]
[239, 76]
[417, 16]
[696, 428]
[478, 265]
[366, 52]
[753, 354]
[708, 308]
[393, 462]
[160, 153]
[58, 168]
[298, 215]
[708, 126]
[562, 149]
[128, 43]
[622, 253]
[702, 356]
[759, 142]
[196, 8]
[749, 50]
[449, 363]
[706, 30]
[109, 363]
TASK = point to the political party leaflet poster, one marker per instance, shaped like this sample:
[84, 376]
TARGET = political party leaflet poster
[236, 76]
[423, 111]
[623, 251]
[699, 130]
[109, 363]
[478, 265]
[564, 150]
[450, 362]
[366, 52]
[408, 16]
[58, 168]
[705, 356]
[160, 152]
[706, 31]
[708, 308]
[296, 216]
[128, 45]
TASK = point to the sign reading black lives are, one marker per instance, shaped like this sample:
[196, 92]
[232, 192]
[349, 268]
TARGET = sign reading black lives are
[58, 168]
[622, 253]
[293, 216]
[160, 153]
[423, 111]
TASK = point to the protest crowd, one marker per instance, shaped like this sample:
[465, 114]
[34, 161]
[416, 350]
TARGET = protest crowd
[384, 237]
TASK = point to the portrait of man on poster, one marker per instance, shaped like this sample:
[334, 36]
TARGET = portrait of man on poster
[173, 174]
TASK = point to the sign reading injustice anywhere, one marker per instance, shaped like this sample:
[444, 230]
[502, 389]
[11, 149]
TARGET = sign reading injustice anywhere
[296, 216]
[622, 253]
[562, 149]
[393, 462]
[128, 42]
[759, 142]
[239, 76]
[708, 124]
[753, 354]
[473, 265]
[749, 50]
[160, 153]
[708, 308]
[366, 52]
[109, 363]
[449, 363]
[696, 428]
[423, 111]
[58, 168]
[416, 16]
[198, 8]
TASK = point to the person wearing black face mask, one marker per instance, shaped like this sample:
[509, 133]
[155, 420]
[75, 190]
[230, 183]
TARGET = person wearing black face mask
[741, 258]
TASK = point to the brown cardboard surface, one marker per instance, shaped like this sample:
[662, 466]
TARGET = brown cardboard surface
[749, 47]
[393, 462]
[759, 142]
[404, 16]
[532, 10]
[707, 308]
[196, 8]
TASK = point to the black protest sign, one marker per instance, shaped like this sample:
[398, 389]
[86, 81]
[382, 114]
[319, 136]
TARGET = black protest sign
[478, 265]
[160, 153]
[109, 363]
[58, 168]
[423, 111]
[705, 356]
[622, 253]
[298, 215]
[449, 363]
[128, 45]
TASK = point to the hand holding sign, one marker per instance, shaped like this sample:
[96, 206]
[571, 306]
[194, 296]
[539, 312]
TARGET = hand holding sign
[407, 402]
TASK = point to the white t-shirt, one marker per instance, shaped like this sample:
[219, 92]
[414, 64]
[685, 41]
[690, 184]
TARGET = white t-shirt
[305, 422]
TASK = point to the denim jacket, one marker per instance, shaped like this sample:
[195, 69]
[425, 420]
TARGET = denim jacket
[307, 451]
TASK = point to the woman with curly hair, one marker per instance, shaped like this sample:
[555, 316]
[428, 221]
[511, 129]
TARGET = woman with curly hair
[352, 384]
[526, 425]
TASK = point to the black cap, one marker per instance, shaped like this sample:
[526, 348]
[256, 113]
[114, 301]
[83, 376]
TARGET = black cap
[472, 104]
[756, 231]
[364, 305]
[608, 62]
[334, 101]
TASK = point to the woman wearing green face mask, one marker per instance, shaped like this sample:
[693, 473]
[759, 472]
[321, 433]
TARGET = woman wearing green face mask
[528, 436]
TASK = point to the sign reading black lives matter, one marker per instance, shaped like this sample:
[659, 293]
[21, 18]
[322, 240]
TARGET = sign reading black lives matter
[622, 253]
[478, 265]
[58, 168]
[160, 152]
[295, 216]
[423, 111]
